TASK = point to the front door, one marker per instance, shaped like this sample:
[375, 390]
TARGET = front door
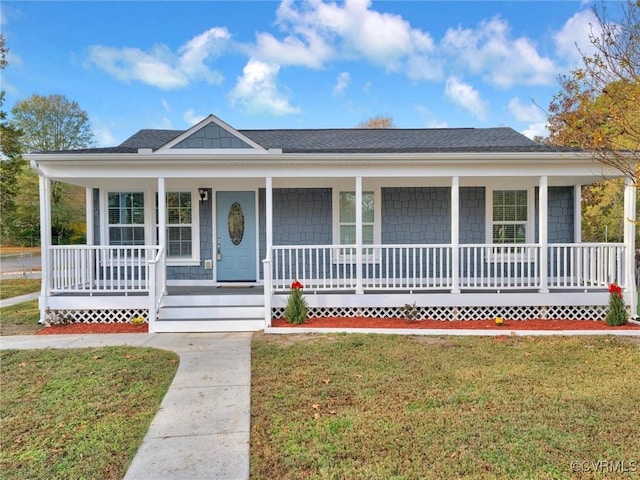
[236, 231]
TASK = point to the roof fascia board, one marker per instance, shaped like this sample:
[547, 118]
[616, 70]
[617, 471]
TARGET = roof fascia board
[210, 119]
[220, 155]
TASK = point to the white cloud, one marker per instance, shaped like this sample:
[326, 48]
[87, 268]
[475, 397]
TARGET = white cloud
[310, 52]
[490, 51]
[525, 112]
[574, 37]
[161, 67]
[165, 105]
[342, 83]
[536, 130]
[257, 92]
[320, 32]
[466, 96]
[191, 117]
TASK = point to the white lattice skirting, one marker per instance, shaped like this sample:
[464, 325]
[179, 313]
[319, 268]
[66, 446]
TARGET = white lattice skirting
[100, 316]
[565, 312]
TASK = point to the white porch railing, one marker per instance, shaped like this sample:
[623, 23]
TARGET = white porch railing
[586, 265]
[430, 267]
[89, 269]
[499, 267]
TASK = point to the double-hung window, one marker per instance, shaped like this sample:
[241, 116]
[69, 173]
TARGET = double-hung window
[126, 218]
[345, 222]
[510, 221]
[347, 218]
[179, 225]
[181, 232]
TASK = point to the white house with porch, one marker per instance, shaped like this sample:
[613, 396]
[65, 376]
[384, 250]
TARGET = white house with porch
[205, 229]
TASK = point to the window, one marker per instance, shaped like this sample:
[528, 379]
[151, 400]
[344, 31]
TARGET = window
[180, 228]
[347, 218]
[510, 219]
[126, 218]
[344, 223]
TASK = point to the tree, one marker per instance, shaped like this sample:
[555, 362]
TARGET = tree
[11, 161]
[598, 108]
[51, 123]
[379, 121]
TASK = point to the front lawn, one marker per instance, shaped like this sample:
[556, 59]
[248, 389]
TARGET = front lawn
[20, 319]
[73, 414]
[15, 287]
[402, 407]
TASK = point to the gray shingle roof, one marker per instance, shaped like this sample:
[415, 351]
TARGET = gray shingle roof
[354, 140]
[394, 140]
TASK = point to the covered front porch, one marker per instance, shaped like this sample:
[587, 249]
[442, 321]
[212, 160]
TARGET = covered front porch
[454, 235]
[439, 281]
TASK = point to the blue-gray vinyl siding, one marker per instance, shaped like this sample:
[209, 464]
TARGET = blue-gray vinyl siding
[409, 215]
[212, 136]
[301, 216]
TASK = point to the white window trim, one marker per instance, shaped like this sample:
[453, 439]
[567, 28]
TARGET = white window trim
[337, 257]
[194, 260]
[492, 254]
[104, 213]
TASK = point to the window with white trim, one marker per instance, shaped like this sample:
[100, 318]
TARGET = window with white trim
[180, 213]
[344, 222]
[347, 218]
[125, 218]
[510, 212]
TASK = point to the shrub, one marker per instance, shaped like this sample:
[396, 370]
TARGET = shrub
[297, 308]
[617, 313]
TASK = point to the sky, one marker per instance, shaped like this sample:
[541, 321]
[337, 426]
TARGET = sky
[295, 64]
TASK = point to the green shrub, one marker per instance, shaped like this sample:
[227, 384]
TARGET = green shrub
[617, 313]
[297, 308]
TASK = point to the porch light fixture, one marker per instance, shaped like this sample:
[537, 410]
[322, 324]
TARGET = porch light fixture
[203, 194]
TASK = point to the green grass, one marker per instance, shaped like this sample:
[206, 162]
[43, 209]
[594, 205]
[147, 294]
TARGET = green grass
[18, 286]
[20, 319]
[396, 407]
[78, 414]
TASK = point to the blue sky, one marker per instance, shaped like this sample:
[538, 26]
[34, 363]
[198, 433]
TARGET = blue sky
[302, 64]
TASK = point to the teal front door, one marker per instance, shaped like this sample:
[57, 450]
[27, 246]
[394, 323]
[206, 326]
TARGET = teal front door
[236, 236]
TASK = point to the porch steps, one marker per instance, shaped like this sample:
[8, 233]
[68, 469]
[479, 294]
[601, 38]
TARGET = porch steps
[211, 313]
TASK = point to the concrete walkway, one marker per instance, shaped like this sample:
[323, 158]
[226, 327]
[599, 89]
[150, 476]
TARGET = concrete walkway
[7, 302]
[202, 428]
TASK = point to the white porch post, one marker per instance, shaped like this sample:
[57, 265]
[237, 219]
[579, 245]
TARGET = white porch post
[359, 288]
[45, 242]
[543, 232]
[630, 244]
[89, 215]
[266, 263]
[162, 214]
[455, 234]
[577, 213]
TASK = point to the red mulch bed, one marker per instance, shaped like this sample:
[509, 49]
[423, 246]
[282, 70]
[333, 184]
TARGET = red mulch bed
[362, 322]
[82, 328]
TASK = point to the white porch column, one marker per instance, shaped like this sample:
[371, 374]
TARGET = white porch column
[162, 214]
[577, 213]
[630, 244]
[358, 266]
[89, 215]
[269, 215]
[455, 234]
[266, 262]
[543, 233]
[45, 242]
